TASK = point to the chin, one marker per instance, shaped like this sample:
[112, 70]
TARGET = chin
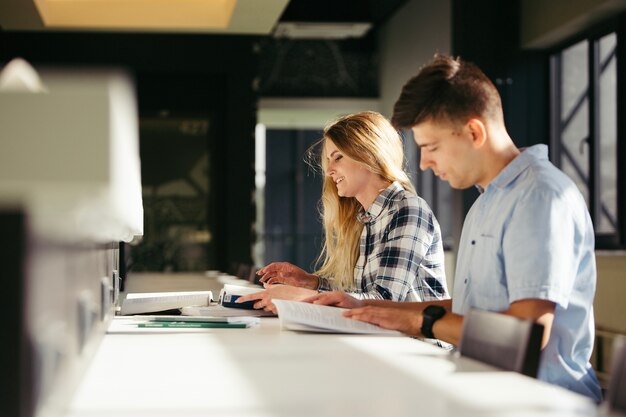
[460, 186]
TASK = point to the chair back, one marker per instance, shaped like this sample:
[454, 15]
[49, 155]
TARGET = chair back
[616, 393]
[503, 341]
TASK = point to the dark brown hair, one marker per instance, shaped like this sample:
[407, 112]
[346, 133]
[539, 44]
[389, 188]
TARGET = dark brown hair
[446, 89]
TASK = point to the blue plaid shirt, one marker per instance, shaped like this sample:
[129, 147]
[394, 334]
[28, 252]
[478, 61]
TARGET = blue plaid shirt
[401, 254]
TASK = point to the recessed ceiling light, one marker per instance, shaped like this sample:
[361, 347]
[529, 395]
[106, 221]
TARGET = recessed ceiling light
[136, 14]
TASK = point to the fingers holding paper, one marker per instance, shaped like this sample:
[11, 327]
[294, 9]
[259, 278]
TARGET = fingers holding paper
[286, 273]
[404, 320]
[281, 292]
[335, 299]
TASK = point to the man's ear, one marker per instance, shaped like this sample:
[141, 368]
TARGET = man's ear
[478, 131]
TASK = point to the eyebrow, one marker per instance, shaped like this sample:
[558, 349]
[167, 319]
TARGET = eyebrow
[426, 144]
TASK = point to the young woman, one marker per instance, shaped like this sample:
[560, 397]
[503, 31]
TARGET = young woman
[382, 241]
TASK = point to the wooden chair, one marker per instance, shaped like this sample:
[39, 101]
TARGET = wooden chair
[503, 341]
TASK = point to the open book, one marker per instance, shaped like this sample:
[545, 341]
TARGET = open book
[296, 315]
[151, 302]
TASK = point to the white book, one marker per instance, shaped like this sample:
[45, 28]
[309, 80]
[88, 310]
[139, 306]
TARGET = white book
[149, 302]
[296, 315]
[230, 292]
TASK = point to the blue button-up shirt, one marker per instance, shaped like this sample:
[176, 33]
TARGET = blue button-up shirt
[529, 235]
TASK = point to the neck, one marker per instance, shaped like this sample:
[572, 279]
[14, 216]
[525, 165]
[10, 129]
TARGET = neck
[502, 152]
[367, 197]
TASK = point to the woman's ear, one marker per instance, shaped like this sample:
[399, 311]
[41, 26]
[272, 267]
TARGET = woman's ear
[478, 131]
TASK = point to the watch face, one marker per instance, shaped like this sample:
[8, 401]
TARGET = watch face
[435, 312]
[429, 316]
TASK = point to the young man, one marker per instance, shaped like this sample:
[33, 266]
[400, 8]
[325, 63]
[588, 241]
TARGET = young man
[527, 245]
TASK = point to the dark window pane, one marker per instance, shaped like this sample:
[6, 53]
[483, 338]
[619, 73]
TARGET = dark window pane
[175, 186]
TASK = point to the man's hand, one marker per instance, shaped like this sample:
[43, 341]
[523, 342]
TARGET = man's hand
[404, 320]
[286, 273]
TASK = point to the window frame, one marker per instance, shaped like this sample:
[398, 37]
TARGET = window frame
[617, 239]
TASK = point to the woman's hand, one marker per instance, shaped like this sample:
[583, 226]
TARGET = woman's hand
[280, 292]
[335, 299]
[286, 273]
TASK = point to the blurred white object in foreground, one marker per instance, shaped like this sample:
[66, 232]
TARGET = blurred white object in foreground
[69, 152]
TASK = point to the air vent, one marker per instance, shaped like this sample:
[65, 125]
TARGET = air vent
[321, 30]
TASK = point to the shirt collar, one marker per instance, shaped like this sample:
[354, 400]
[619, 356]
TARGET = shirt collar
[382, 200]
[518, 165]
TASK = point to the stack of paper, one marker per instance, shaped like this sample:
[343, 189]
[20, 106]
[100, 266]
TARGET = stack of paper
[221, 311]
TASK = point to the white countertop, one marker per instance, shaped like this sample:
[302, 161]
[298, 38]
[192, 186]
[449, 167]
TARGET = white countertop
[266, 371]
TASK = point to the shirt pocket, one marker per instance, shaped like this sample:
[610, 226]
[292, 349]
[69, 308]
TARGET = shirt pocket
[488, 286]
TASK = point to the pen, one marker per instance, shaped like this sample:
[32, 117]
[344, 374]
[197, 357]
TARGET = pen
[187, 325]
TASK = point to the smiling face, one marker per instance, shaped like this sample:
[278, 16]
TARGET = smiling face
[351, 178]
[446, 149]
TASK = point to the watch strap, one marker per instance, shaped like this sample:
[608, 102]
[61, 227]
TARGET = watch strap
[429, 316]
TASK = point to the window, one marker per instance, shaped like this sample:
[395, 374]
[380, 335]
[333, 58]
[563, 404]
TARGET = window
[288, 192]
[584, 127]
[177, 201]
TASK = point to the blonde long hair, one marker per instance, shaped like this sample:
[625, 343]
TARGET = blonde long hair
[369, 139]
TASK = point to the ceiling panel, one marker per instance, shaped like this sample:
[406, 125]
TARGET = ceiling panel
[252, 17]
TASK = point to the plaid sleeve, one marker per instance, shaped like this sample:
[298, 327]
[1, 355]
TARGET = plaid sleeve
[323, 284]
[407, 241]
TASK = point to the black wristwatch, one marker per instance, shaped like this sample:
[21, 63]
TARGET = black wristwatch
[429, 316]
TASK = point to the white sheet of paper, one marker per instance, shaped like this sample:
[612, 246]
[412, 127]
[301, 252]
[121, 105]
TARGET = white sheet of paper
[317, 318]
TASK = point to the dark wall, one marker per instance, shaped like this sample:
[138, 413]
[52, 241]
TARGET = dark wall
[486, 32]
[319, 68]
[13, 398]
[190, 74]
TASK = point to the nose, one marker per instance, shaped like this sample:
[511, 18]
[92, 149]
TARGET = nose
[330, 170]
[425, 161]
